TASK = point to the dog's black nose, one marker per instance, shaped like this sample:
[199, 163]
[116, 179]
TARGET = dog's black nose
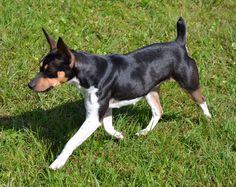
[31, 85]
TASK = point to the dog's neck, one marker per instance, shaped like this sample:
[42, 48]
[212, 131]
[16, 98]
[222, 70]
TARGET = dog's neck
[87, 68]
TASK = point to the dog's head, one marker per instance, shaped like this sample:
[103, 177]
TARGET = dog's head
[55, 68]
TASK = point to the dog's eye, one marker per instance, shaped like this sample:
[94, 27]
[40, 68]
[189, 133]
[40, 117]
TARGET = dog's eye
[52, 75]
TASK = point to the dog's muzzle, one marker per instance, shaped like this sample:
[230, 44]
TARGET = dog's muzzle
[34, 81]
[32, 84]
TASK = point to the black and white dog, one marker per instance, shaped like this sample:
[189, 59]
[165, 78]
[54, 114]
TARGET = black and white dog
[116, 80]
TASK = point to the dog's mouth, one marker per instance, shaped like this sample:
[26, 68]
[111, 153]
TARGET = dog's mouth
[38, 90]
[40, 84]
[43, 91]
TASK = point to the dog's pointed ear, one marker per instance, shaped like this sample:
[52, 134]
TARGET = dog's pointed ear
[51, 41]
[64, 50]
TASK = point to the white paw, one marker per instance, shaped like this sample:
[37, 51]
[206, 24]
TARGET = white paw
[119, 135]
[142, 132]
[207, 114]
[57, 164]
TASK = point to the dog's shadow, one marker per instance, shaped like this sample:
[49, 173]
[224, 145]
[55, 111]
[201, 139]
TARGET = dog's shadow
[55, 126]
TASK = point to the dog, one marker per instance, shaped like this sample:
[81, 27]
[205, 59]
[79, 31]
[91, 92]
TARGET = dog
[116, 80]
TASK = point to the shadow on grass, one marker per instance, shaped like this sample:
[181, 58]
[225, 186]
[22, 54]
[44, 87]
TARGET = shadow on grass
[53, 126]
[57, 125]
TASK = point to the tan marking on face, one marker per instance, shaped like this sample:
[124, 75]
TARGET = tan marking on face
[45, 83]
[46, 66]
[61, 76]
[41, 64]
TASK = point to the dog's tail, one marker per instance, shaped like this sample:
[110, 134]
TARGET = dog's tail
[181, 32]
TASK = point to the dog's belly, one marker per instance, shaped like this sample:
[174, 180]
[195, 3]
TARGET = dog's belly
[117, 104]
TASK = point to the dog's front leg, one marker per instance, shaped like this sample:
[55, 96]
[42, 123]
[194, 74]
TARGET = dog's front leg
[109, 128]
[87, 128]
[91, 123]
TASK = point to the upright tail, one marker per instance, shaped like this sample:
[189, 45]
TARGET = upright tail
[181, 32]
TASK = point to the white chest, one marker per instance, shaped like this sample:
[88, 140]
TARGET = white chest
[112, 103]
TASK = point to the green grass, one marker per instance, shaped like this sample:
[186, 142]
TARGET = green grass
[185, 149]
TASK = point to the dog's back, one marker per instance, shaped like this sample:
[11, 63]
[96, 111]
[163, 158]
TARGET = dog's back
[145, 68]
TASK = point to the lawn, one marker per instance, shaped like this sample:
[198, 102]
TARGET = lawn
[185, 148]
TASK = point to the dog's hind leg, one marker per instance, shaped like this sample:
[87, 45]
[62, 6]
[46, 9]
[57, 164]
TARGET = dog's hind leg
[154, 103]
[200, 100]
[107, 123]
[188, 78]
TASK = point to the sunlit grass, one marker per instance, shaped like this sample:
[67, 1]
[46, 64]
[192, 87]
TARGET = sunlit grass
[185, 149]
